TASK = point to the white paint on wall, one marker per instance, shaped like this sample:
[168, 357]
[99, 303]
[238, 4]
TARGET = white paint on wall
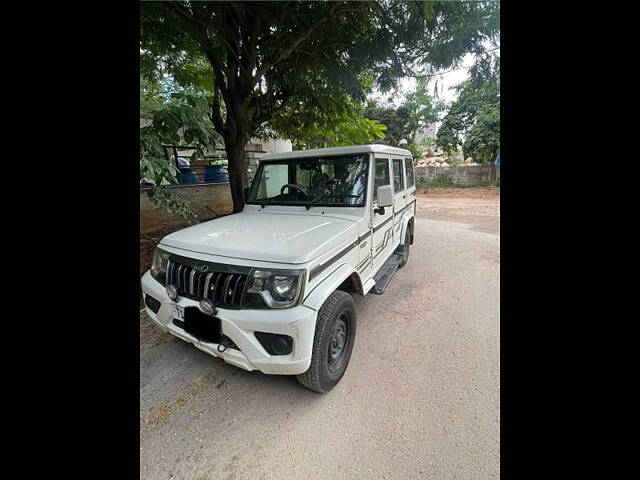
[272, 145]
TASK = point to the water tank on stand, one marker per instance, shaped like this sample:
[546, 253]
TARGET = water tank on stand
[215, 173]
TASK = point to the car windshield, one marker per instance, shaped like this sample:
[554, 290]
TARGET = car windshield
[324, 181]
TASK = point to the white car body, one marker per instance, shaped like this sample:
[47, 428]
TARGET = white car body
[332, 244]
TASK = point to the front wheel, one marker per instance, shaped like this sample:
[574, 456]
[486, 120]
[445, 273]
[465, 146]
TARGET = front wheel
[332, 343]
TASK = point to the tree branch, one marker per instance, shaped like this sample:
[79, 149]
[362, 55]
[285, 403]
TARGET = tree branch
[289, 50]
[186, 14]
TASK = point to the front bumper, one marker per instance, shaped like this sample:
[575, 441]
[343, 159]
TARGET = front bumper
[239, 325]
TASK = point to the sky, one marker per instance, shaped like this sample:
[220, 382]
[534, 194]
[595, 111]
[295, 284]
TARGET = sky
[445, 83]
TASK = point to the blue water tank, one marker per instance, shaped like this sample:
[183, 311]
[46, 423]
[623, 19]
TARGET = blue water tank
[215, 173]
[187, 175]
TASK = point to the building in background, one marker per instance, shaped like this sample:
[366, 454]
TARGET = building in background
[428, 131]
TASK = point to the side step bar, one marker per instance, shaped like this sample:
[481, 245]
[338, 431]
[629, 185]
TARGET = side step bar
[386, 273]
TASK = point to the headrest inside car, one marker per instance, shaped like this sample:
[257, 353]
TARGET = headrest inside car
[319, 179]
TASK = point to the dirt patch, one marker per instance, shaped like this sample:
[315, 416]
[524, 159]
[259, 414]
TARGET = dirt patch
[165, 409]
[150, 335]
[477, 206]
[491, 191]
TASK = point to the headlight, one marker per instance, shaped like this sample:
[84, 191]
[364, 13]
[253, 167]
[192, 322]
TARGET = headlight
[159, 265]
[274, 288]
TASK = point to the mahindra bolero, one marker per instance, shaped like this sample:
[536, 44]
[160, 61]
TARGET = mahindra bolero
[271, 288]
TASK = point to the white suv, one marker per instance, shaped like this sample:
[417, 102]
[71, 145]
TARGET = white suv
[270, 288]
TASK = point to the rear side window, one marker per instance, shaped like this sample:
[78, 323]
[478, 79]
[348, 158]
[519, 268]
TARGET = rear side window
[408, 168]
[381, 176]
[398, 184]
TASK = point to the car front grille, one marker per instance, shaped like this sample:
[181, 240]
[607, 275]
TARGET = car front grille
[224, 288]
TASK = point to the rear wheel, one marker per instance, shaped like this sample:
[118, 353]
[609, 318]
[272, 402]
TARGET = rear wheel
[407, 246]
[332, 343]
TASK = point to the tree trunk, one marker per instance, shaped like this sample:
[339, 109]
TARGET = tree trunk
[237, 174]
[494, 154]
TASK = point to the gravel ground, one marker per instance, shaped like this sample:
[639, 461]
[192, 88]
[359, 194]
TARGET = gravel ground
[420, 398]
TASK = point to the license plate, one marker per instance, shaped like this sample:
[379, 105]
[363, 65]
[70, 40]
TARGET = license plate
[178, 312]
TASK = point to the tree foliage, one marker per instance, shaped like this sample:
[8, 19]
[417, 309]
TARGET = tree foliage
[177, 115]
[403, 122]
[473, 119]
[401, 125]
[259, 59]
[325, 120]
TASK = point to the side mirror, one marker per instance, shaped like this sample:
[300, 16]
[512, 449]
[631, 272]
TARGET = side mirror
[385, 198]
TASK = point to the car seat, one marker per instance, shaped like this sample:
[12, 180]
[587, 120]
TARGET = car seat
[318, 184]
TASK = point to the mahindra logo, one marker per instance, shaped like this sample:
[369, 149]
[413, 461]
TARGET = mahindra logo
[201, 268]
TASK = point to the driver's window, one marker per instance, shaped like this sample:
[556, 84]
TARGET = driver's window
[381, 176]
[274, 176]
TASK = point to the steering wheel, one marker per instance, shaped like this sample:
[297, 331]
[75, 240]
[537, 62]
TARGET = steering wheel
[290, 186]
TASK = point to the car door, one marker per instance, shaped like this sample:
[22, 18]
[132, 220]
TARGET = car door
[382, 224]
[399, 200]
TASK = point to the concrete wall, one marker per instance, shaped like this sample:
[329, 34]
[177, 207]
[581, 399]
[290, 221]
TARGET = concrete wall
[464, 174]
[207, 200]
[274, 145]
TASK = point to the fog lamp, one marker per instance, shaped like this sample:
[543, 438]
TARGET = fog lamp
[172, 291]
[207, 307]
[274, 343]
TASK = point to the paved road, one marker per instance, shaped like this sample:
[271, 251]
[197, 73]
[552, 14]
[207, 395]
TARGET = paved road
[420, 398]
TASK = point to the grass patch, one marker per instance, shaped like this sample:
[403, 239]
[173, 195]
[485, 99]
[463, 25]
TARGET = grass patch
[446, 183]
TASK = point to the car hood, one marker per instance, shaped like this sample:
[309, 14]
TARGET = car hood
[268, 237]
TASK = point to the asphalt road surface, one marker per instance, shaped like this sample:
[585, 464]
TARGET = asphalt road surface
[420, 398]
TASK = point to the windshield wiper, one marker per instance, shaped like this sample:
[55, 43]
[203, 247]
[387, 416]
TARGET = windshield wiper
[264, 203]
[307, 205]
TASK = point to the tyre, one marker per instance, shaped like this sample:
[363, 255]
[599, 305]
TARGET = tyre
[332, 343]
[407, 245]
